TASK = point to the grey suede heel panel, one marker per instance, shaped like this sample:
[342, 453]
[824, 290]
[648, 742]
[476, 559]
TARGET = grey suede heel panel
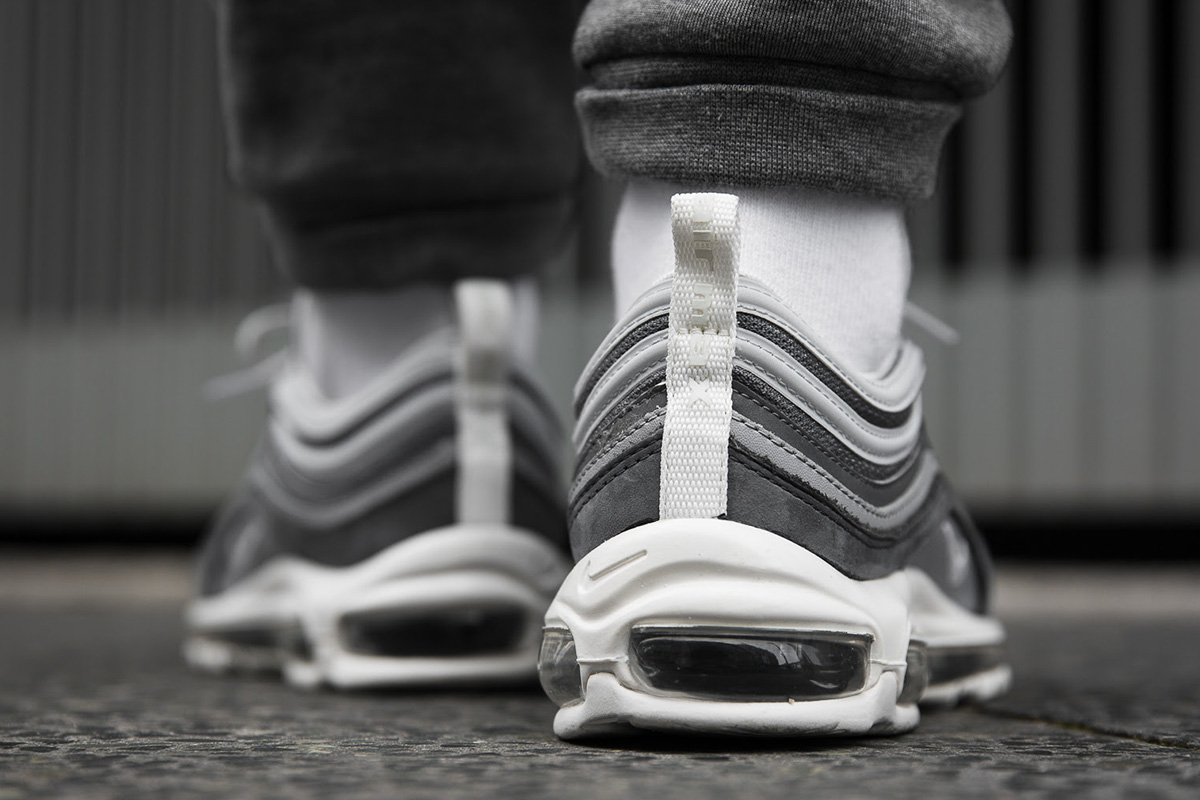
[761, 500]
[628, 497]
[247, 534]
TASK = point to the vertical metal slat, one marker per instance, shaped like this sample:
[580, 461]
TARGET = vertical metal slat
[16, 82]
[1055, 162]
[55, 101]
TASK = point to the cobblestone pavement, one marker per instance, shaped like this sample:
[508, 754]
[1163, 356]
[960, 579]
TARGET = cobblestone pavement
[95, 702]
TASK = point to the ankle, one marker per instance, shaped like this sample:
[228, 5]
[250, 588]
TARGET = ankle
[346, 339]
[839, 262]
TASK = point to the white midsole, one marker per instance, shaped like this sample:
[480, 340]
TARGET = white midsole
[477, 566]
[709, 572]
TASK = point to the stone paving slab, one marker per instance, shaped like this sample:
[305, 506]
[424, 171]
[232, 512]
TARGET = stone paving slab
[1135, 679]
[95, 702]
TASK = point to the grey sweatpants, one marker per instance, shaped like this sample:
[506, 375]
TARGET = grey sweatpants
[396, 140]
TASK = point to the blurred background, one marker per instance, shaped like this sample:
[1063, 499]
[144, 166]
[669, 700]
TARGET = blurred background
[1063, 244]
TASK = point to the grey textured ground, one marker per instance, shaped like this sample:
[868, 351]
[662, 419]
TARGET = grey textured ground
[94, 702]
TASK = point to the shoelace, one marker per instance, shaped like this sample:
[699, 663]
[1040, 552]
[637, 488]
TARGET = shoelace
[251, 331]
[930, 324]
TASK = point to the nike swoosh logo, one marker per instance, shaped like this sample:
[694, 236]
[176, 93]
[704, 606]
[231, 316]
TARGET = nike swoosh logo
[616, 565]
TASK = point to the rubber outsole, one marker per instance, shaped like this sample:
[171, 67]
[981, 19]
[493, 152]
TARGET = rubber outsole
[715, 575]
[454, 606]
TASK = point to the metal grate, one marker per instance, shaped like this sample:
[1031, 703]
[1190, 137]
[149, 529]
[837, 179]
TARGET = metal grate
[112, 192]
[1087, 152]
[1064, 243]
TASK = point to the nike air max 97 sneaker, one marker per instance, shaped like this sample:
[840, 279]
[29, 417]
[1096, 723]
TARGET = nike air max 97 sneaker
[409, 534]
[765, 542]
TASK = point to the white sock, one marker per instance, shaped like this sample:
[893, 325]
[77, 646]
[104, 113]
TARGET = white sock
[345, 339]
[841, 263]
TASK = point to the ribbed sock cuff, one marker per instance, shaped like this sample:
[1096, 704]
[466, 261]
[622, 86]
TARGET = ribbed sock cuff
[760, 136]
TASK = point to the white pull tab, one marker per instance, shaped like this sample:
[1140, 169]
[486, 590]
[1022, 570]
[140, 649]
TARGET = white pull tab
[694, 477]
[485, 322]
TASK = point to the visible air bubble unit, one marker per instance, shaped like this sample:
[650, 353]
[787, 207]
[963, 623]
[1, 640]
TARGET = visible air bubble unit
[916, 674]
[294, 641]
[249, 649]
[440, 633]
[558, 668]
[748, 665]
[951, 663]
[264, 638]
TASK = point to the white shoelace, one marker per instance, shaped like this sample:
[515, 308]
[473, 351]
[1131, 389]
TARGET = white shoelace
[930, 324]
[251, 331]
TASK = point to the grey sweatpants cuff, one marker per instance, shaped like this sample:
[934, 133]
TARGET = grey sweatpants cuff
[502, 240]
[763, 135]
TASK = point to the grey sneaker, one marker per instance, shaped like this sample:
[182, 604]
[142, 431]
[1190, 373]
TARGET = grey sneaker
[765, 541]
[411, 534]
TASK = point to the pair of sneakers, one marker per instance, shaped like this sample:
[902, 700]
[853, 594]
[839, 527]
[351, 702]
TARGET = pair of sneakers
[757, 540]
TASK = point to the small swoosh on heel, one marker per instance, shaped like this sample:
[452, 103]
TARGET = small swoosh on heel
[613, 567]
